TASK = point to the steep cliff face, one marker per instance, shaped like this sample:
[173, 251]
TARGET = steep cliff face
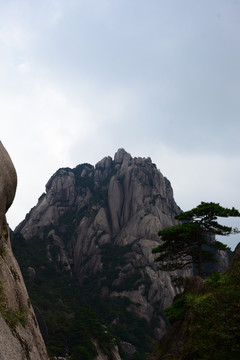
[8, 183]
[20, 337]
[100, 224]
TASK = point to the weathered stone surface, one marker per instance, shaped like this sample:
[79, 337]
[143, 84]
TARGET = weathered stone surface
[128, 348]
[20, 338]
[102, 223]
[235, 258]
[118, 204]
[31, 273]
[113, 355]
[8, 183]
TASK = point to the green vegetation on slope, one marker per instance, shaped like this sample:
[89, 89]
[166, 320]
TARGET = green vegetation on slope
[70, 324]
[211, 319]
[13, 317]
[67, 308]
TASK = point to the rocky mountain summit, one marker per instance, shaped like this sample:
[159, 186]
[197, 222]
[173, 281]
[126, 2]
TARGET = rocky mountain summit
[98, 225]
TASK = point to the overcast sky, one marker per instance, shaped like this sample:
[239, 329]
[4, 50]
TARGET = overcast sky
[161, 78]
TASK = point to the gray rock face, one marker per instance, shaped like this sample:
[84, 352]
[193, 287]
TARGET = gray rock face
[20, 337]
[235, 258]
[114, 355]
[104, 221]
[8, 183]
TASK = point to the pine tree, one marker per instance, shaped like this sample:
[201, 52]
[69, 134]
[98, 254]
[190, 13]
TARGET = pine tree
[187, 243]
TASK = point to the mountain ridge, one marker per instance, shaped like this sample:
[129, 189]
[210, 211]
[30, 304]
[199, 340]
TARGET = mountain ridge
[98, 225]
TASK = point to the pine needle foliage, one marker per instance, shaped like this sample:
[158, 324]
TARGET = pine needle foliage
[190, 242]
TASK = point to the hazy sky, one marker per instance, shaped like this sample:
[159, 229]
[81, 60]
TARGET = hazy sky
[160, 78]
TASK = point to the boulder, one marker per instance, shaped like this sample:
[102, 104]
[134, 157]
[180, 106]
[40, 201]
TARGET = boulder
[20, 337]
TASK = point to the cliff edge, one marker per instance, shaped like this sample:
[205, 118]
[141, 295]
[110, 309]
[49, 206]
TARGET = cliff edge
[20, 338]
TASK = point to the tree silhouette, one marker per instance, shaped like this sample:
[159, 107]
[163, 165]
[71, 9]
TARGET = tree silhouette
[188, 242]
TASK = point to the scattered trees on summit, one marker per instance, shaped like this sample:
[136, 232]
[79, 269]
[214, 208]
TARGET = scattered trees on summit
[191, 241]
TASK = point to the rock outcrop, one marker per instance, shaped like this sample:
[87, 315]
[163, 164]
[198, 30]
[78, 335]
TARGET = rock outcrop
[235, 260]
[20, 337]
[8, 183]
[100, 225]
[114, 355]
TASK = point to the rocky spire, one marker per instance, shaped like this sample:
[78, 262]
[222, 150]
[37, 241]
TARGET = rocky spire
[102, 222]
